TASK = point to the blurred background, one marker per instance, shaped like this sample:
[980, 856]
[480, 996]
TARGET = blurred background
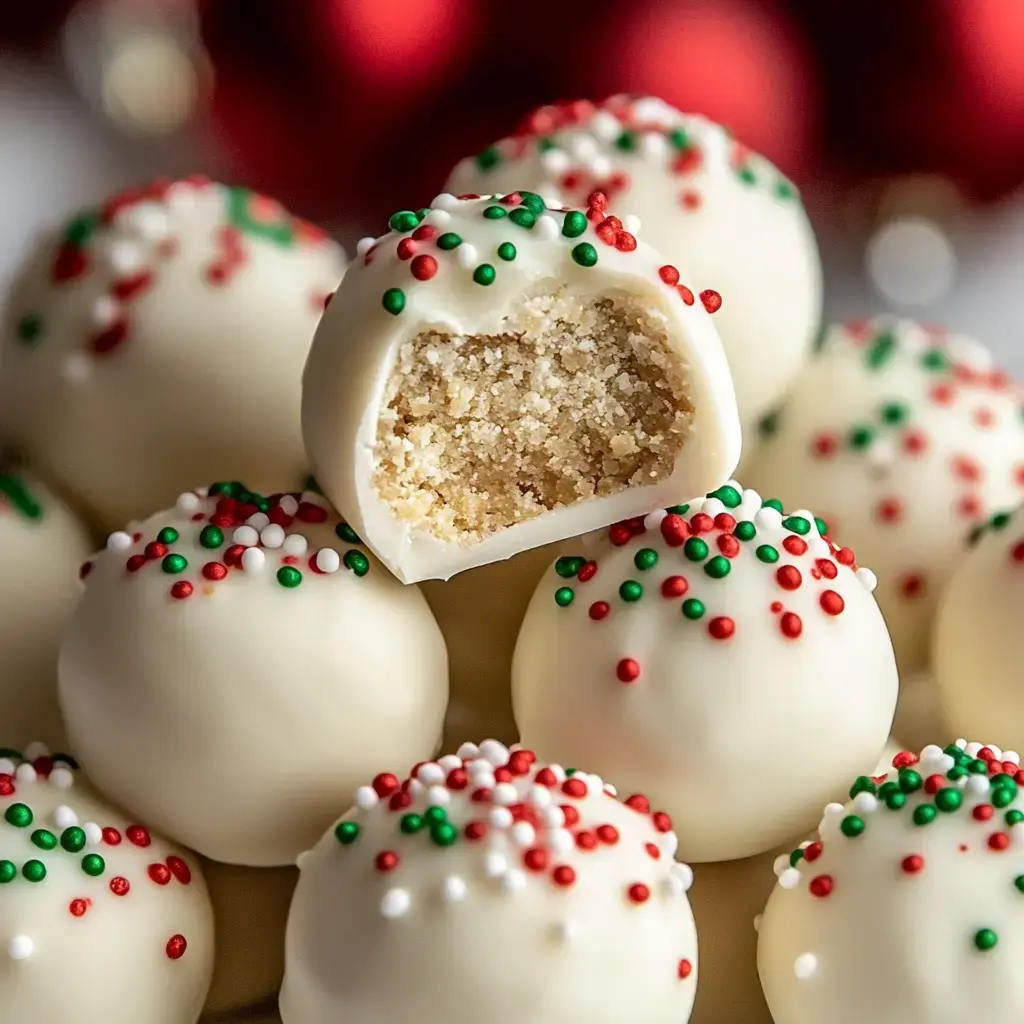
[902, 120]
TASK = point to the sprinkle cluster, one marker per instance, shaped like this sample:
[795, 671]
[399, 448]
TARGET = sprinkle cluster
[979, 785]
[682, 553]
[132, 235]
[583, 146]
[44, 838]
[521, 823]
[424, 242]
[238, 530]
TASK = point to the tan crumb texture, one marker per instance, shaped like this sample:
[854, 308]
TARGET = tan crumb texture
[573, 401]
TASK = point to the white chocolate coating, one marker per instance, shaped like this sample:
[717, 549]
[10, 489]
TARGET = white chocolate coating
[250, 908]
[704, 201]
[977, 646]
[674, 653]
[902, 439]
[567, 904]
[42, 546]
[358, 343]
[100, 919]
[264, 676]
[908, 906]
[159, 342]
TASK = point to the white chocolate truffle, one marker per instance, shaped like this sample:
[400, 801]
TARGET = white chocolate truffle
[495, 374]
[907, 907]
[250, 909]
[902, 439]
[977, 642]
[673, 650]
[158, 342]
[528, 891]
[42, 548]
[703, 200]
[100, 918]
[236, 665]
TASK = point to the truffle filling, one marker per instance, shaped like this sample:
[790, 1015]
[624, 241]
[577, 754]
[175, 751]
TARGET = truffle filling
[571, 401]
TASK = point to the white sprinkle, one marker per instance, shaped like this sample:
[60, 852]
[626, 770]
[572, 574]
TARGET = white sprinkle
[295, 545]
[443, 201]
[500, 817]
[819, 548]
[599, 166]
[482, 780]
[148, 220]
[757, 922]
[524, 834]
[62, 778]
[246, 536]
[35, 750]
[867, 578]
[1011, 755]
[972, 749]
[805, 965]
[673, 887]
[438, 796]
[439, 218]
[253, 560]
[547, 228]
[865, 803]
[455, 889]
[105, 310]
[685, 875]
[514, 880]
[605, 125]
[125, 257]
[541, 796]
[978, 785]
[555, 161]
[505, 794]
[258, 520]
[364, 245]
[188, 502]
[553, 816]
[93, 833]
[448, 763]
[610, 789]
[631, 222]
[64, 817]
[416, 787]
[583, 147]
[119, 541]
[289, 505]
[466, 255]
[21, 947]
[495, 752]
[26, 773]
[780, 864]
[564, 931]
[328, 560]
[431, 774]
[768, 518]
[834, 810]
[653, 520]
[366, 797]
[713, 507]
[654, 146]
[272, 536]
[396, 903]
[881, 453]
[790, 878]
[7, 766]
[559, 840]
[495, 864]
[669, 843]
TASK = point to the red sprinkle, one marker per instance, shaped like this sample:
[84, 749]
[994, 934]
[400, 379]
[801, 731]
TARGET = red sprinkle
[598, 610]
[913, 864]
[423, 267]
[120, 886]
[711, 299]
[384, 784]
[627, 671]
[386, 860]
[176, 946]
[721, 627]
[674, 586]
[639, 893]
[791, 625]
[685, 969]
[563, 875]
[831, 602]
[608, 834]
[181, 590]
[78, 907]
[821, 886]
[137, 835]
[788, 577]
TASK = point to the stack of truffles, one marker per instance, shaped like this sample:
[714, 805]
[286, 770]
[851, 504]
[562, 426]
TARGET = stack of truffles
[435, 667]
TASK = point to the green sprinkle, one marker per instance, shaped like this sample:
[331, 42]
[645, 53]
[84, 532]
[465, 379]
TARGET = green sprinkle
[574, 225]
[507, 252]
[626, 142]
[692, 608]
[449, 240]
[495, 212]
[821, 525]
[795, 857]
[19, 815]
[404, 220]
[678, 510]
[645, 558]
[81, 228]
[861, 437]
[345, 532]
[948, 800]
[44, 839]
[925, 814]
[797, 524]
[935, 359]
[679, 138]
[564, 596]
[773, 503]
[347, 832]
[34, 870]
[895, 801]
[93, 865]
[484, 274]
[356, 562]
[1014, 818]
[534, 203]
[393, 300]
[999, 520]
[852, 826]
[768, 425]
[1002, 796]
[289, 576]
[1018, 881]
[985, 939]
[9, 871]
[568, 566]
[882, 349]
[488, 158]
[585, 254]
[766, 553]
[745, 530]
[784, 189]
[747, 176]
[862, 784]
[631, 591]
[727, 495]
[73, 839]
[910, 781]
[168, 535]
[443, 834]
[895, 412]
[411, 823]
[435, 815]
[30, 328]
[211, 537]
[695, 549]
[718, 567]
[174, 564]
[522, 217]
